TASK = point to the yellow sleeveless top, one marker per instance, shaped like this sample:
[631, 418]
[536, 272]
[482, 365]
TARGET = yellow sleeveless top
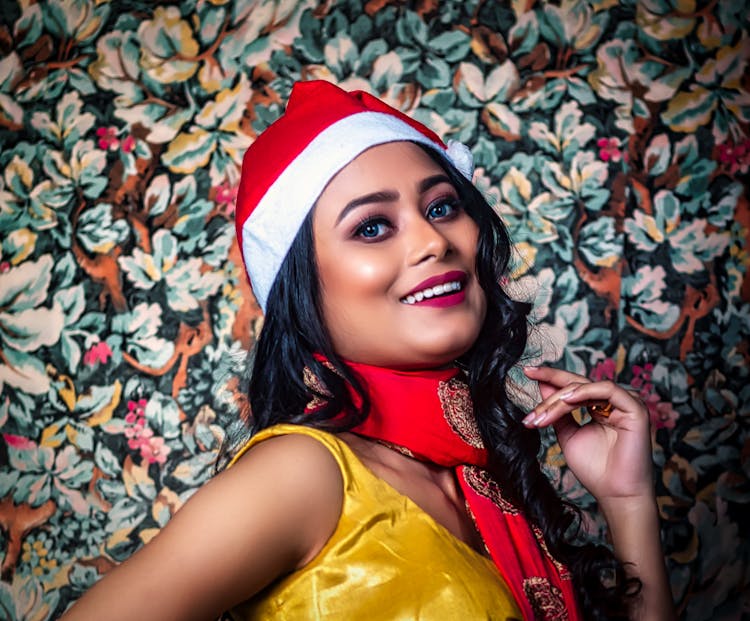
[386, 560]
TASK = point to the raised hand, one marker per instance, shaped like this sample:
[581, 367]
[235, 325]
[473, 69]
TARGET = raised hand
[611, 455]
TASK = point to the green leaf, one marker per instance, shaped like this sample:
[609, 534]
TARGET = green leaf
[599, 243]
[190, 151]
[192, 218]
[28, 27]
[107, 461]
[158, 193]
[187, 286]
[686, 112]
[501, 121]
[140, 328]
[372, 52]
[195, 470]
[434, 73]
[140, 269]
[98, 232]
[32, 328]
[387, 69]
[10, 110]
[163, 416]
[410, 28]
[574, 318]
[164, 38]
[453, 45]
[341, 54]
[644, 291]
[581, 91]
[658, 155]
[524, 35]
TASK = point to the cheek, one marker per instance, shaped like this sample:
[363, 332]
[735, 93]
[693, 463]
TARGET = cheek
[360, 276]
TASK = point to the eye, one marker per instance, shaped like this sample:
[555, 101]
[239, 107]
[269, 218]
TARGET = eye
[443, 208]
[372, 228]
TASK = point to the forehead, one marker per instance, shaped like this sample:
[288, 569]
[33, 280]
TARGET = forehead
[381, 167]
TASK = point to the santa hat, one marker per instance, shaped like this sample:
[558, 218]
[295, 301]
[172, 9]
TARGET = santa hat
[289, 165]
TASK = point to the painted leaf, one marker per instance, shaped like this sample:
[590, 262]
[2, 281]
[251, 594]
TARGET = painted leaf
[688, 111]
[164, 38]
[97, 231]
[189, 151]
[501, 121]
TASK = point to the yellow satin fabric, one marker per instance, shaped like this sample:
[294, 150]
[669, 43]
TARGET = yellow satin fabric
[387, 560]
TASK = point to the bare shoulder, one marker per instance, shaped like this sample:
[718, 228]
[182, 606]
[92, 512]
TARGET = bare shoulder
[293, 454]
[268, 515]
[295, 470]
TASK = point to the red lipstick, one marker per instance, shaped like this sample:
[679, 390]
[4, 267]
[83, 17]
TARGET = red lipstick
[441, 279]
[441, 300]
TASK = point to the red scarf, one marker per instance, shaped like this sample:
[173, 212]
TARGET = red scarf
[428, 415]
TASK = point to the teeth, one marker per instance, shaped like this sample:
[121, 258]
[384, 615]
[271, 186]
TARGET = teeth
[448, 287]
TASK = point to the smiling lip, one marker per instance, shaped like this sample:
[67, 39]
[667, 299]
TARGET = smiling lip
[445, 299]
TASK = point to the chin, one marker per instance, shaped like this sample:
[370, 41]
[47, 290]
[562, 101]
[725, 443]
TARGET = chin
[439, 357]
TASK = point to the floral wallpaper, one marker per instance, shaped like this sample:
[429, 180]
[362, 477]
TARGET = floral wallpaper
[613, 137]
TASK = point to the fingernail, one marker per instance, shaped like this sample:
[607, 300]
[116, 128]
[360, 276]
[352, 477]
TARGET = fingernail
[540, 419]
[529, 418]
[567, 395]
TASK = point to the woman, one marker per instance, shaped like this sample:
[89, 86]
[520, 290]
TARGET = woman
[390, 476]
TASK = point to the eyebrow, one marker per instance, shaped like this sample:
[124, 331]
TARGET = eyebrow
[388, 196]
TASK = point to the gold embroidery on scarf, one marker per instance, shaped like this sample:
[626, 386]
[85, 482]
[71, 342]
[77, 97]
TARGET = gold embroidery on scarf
[313, 382]
[546, 600]
[459, 411]
[399, 449]
[483, 484]
[561, 569]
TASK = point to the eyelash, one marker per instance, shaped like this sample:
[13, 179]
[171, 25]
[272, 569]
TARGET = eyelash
[452, 201]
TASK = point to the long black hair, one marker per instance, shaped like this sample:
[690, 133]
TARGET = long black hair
[294, 341]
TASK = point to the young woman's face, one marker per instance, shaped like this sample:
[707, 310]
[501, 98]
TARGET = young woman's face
[396, 257]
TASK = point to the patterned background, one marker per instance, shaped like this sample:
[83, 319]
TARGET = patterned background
[612, 137]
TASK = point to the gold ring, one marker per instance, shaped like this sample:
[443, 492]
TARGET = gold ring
[600, 408]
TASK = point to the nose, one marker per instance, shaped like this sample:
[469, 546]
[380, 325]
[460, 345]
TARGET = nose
[426, 241]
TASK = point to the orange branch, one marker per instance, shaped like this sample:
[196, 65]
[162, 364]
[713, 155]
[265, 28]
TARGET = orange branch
[18, 521]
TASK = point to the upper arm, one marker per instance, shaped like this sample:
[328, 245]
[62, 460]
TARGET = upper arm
[267, 515]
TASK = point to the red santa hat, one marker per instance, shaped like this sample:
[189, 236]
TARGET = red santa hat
[289, 165]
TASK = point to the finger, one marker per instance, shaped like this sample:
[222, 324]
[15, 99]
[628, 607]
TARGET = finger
[620, 398]
[552, 405]
[552, 376]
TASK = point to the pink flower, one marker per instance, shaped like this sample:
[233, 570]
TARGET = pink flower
[128, 144]
[642, 377]
[155, 451]
[98, 353]
[18, 442]
[609, 149]
[226, 196]
[604, 370]
[661, 413]
[4, 267]
[108, 140]
[736, 157]
[137, 407]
